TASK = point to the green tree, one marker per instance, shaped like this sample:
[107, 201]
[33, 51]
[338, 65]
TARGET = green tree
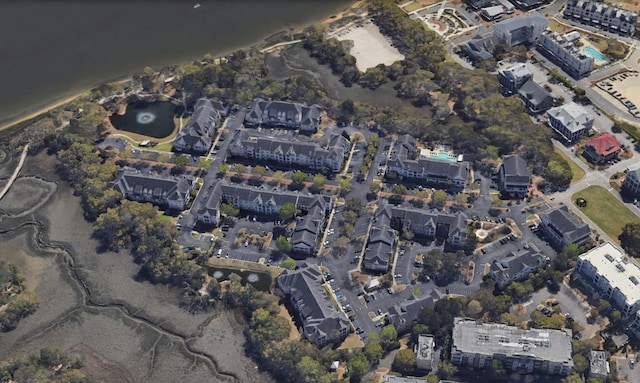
[311, 371]
[229, 210]
[288, 263]
[399, 189]
[282, 244]
[180, 160]
[278, 176]
[288, 210]
[259, 170]
[474, 308]
[508, 318]
[573, 378]
[240, 168]
[374, 187]
[404, 361]
[446, 369]
[319, 181]
[345, 186]
[630, 239]
[439, 197]
[298, 177]
[223, 168]
[580, 363]
[349, 216]
[388, 333]
[373, 351]
[358, 364]
[498, 367]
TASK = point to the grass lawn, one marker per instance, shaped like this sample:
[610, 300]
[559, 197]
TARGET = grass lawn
[412, 7]
[605, 210]
[577, 171]
[556, 26]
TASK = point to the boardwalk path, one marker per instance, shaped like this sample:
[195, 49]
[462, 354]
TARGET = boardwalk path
[15, 172]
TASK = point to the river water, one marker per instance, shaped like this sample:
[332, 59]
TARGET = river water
[53, 49]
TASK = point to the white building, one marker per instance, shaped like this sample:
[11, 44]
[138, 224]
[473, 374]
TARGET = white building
[523, 351]
[565, 53]
[571, 121]
[523, 29]
[515, 76]
[613, 275]
[425, 356]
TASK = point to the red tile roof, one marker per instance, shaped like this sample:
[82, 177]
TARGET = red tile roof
[604, 144]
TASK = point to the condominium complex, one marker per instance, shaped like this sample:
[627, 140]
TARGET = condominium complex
[327, 154]
[523, 351]
[524, 29]
[562, 229]
[407, 162]
[563, 51]
[196, 136]
[322, 323]
[254, 199]
[601, 15]
[164, 191]
[282, 114]
[613, 275]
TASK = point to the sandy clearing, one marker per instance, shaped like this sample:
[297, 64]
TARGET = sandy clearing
[370, 47]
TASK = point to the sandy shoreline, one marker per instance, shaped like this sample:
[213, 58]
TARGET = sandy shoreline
[36, 111]
[41, 110]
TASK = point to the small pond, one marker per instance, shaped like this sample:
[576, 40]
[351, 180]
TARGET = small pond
[260, 280]
[153, 119]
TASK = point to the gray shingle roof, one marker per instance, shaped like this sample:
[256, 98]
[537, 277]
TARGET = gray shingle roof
[304, 289]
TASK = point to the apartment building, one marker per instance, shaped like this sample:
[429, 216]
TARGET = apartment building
[514, 77]
[407, 162]
[165, 191]
[282, 114]
[601, 15]
[196, 136]
[255, 199]
[523, 351]
[631, 183]
[562, 229]
[524, 29]
[513, 175]
[328, 154]
[516, 266]
[563, 52]
[613, 275]
[322, 323]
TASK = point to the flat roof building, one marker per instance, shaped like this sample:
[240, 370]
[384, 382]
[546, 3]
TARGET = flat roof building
[613, 275]
[425, 356]
[522, 351]
[598, 365]
[564, 53]
[523, 29]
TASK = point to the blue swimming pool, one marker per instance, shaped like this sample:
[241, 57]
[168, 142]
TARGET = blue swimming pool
[444, 156]
[592, 52]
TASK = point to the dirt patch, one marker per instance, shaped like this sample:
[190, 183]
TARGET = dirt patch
[294, 334]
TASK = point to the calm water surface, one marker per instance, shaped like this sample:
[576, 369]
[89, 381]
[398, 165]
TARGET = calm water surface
[53, 49]
[153, 119]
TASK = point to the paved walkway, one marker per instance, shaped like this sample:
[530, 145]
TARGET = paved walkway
[15, 172]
